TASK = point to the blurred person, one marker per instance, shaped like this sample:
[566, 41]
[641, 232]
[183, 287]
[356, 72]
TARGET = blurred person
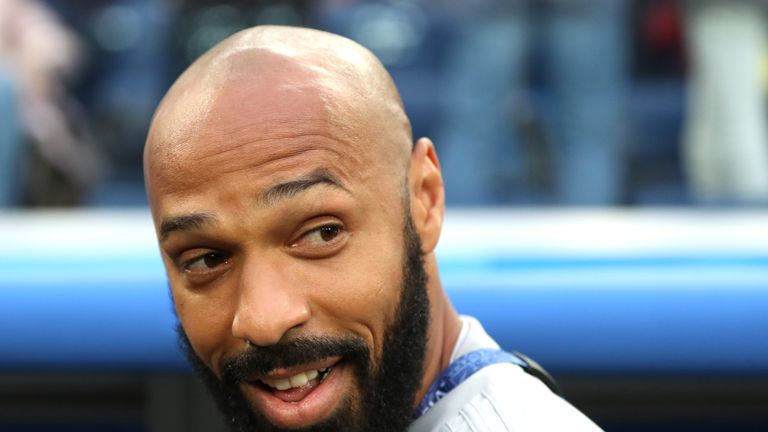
[726, 134]
[495, 150]
[297, 222]
[40, 53]
[10, 141]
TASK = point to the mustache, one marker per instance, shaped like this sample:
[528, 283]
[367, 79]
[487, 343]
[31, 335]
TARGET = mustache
[258, 360]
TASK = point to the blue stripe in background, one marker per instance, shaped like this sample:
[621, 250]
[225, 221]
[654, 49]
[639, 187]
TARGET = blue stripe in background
[496, 263]
[85, 265]
[113, 312]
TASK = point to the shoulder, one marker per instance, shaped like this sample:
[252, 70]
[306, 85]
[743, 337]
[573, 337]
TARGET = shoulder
[499, 398]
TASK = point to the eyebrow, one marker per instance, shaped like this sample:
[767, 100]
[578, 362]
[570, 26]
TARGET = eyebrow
[271, 196]
[185, 223]
[289, 189]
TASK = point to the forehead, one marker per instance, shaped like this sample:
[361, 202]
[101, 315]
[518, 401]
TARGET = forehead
[262, 132]
[245, 99]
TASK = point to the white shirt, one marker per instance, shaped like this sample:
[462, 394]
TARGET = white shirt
[498, 398]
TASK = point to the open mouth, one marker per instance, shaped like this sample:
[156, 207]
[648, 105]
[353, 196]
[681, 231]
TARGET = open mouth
[300, 396]
[297, 381]
[297, 386]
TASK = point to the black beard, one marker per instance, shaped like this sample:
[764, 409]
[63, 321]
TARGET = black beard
[388, 390]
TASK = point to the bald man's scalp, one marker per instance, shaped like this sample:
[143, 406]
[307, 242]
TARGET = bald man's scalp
[263, 67]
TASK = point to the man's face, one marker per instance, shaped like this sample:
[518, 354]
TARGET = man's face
[387, 388]
[282, 236]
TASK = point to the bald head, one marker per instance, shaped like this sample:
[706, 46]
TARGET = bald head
[275, 171]
[270, 82]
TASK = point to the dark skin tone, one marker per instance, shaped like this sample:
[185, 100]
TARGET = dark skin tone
[275, 169]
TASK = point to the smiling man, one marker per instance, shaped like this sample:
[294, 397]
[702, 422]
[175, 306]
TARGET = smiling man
[297, 221]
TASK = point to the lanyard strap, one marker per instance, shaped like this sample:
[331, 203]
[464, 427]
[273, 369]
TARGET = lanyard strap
[461, 369]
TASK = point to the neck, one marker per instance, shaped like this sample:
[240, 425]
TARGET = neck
[444, 329]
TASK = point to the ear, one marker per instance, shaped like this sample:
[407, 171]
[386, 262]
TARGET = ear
[427, 193]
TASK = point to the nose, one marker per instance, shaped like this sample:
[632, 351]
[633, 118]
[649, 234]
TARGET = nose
[270, 303]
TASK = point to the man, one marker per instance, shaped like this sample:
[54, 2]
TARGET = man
[297, 223]
[725, 139]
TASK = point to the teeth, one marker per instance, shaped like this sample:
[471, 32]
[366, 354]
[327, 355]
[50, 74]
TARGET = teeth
[282, 384]
[324, 373]
[299, 380]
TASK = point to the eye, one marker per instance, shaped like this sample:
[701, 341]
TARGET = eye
[320, 235]
[206, 263]
[328, 233]
[204, 266]
[321, 241]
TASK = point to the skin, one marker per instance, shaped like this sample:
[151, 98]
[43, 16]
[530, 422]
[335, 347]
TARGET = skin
[319, 115]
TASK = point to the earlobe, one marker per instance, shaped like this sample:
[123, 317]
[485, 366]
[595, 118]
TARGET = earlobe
[427, 193]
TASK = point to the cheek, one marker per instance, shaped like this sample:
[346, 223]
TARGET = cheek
[360, 289]
[207, 322]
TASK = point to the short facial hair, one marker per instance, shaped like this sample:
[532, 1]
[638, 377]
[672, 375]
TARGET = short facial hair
[387, 389]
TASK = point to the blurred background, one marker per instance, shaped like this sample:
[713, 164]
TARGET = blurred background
[615, 153]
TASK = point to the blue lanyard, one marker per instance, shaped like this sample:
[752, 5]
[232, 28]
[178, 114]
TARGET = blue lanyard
[461, 369]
